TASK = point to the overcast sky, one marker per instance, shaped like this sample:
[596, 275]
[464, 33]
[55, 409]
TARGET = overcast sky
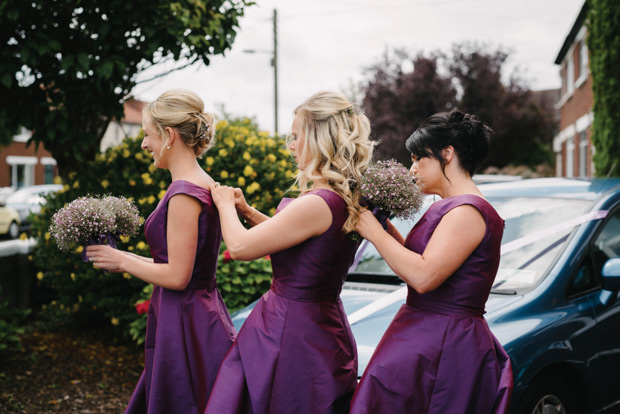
[326, 44]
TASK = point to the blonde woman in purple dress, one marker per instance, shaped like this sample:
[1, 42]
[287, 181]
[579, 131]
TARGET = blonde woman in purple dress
[295, 353]
[438, 355]
[188, 327]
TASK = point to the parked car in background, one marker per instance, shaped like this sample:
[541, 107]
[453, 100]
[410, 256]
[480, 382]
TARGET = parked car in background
[29, 199]
[554, 305]
[5, 192]
[9, 222]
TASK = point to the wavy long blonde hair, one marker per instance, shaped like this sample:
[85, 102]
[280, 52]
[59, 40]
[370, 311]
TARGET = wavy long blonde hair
[339, 147]
[185, 111]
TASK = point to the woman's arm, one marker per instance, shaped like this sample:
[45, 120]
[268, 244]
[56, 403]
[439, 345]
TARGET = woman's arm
[303, 218]
[456, 237]
[182, 238]
[393, 231]
[251, 215]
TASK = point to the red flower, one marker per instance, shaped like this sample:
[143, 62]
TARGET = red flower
[143, 307]
[227, 257]
[268, 257]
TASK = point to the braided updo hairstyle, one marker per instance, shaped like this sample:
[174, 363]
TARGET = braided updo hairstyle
[337, 141]
[182, 110]
[464, 132]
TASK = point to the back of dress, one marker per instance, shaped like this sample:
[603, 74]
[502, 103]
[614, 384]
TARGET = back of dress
[320, 263]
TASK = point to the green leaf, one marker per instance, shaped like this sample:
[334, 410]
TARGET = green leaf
[7, 80]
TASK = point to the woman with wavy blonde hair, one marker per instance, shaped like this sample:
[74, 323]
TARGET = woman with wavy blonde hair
[188, 328]
[295, 353]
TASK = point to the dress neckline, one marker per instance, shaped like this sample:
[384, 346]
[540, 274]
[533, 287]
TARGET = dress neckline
[193, 184]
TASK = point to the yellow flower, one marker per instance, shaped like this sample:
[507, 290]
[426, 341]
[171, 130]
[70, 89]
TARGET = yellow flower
[162, 184]
[79, 249]
[105, 183]
[229, 142]
[272, 211]
[152, 168]
[210, 160]
[76, 184]
[246, 156]
[248, 170]
[146, 179]
[130, 248]
[141, 245]
[139, 156]
[151, 199]
[224, 174]
[222, 124]
[241, 182]
[80, 299]
[271, 142]
[114, 321]
[252, 187]
[73, 276]
[132, 182]
[47, 236]
[40, 275]
[126, 275]
[23, 236]
[126, 153]
[271, 158]
[161, 194]
[283, 163]
[72, 175]
[223, 152]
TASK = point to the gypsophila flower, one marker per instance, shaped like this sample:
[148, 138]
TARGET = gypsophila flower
[390, 186]
[89, 218]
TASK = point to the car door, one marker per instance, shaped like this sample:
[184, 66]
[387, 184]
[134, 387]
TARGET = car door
[606, 305]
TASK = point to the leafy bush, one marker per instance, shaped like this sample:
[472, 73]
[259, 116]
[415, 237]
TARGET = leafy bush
[10, 327]
[242, 156]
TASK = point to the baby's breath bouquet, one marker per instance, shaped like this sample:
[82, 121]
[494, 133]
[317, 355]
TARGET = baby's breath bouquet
[94, 220]
[389, 190]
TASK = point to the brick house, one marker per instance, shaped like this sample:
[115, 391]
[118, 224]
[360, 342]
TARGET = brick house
[21, 165]
[572, 145]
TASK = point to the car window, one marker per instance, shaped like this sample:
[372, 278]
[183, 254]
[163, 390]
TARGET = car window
[607, 244]
[525, 217]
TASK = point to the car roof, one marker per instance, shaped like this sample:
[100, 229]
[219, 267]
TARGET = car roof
[570, 188]
[39, 188]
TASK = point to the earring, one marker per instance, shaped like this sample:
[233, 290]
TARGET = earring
[168, 147]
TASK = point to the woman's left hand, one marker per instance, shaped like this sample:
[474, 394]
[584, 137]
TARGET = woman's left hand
[105, 257]
[367, 225]
[222, 194]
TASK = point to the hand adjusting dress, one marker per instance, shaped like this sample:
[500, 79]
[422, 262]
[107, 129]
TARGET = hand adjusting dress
[188, 332]
[438, 354]
[295, 353]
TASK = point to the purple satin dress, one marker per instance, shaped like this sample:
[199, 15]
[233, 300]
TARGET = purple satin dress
[438, 354]
[295, 353]
[188, 332]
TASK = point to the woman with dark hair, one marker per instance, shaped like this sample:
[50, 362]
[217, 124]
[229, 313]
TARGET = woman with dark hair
[438, 354]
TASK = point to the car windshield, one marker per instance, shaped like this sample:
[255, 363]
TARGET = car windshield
[534, 235]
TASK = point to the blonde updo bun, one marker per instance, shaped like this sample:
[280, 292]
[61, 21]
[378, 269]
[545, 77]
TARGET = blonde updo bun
[184, 111]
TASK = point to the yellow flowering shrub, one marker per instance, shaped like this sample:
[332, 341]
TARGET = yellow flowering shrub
[242, 156]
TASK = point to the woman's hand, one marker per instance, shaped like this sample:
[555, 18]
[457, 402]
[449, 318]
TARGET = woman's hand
[106, 257]
[368, 225]
[241, 204]
[223, 195]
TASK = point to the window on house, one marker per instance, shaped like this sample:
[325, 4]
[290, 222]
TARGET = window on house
[583, 153]
[570, 157]
[21, 170]
[49, 169]
[570, 75]
[583, 60]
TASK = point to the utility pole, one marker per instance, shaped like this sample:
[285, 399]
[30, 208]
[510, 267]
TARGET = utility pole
[274, 63]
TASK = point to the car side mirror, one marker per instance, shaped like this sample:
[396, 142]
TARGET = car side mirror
[610, 274]
[2, 204]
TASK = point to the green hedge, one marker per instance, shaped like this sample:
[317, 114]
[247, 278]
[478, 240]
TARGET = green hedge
[604, 46]
[242, 156]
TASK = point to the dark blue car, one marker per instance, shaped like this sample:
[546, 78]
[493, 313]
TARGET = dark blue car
[554, 305]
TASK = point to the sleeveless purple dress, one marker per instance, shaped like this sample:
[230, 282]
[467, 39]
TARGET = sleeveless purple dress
[295, 353]
[188, 332]
[438, 354]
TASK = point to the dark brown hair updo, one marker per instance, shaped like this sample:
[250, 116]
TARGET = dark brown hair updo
[464, 132]
[183, 110]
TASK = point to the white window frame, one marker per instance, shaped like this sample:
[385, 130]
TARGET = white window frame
[570, 157]
[28, 162]
[570, 75]
[583, 153]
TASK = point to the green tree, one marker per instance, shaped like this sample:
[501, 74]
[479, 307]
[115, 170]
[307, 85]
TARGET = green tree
[66, 66]
[604, 45]
[402, 91]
